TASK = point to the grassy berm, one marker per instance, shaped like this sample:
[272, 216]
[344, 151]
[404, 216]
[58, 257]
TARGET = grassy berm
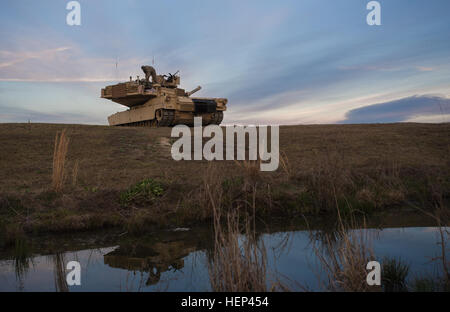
[126, 177]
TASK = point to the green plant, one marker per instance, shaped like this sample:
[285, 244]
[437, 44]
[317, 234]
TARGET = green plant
[143, 192]
[92, 189]
[11, 206]
[393, 275]
[231, 183]
[424, 284]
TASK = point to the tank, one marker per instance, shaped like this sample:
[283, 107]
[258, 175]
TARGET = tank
[159, 102]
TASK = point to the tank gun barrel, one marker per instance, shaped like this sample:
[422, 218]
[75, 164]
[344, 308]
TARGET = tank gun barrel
[194, 91]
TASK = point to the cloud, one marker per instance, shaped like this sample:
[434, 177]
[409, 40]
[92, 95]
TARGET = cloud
[10, 58]
[430, 118]
[371, 68]
[387, 68]
[17, 114]
[274, 63]
[424, 68]
[63, 64]
[409, 108]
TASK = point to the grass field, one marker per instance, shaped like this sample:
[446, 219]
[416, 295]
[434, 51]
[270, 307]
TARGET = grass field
[125, 177]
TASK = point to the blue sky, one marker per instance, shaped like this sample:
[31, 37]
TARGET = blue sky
[286, 62]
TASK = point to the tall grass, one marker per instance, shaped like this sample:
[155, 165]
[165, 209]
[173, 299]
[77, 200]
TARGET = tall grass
[239, 259]
[285, 166]
[250, 169]
[59, 160]
[437, 190]
[442, 218]
[22, 260]
[343, 258]
[59, 273]
[75, 173]
[344, 254]
[394, 273]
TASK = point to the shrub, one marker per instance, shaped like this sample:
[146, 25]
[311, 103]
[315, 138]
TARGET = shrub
[142, 193]
[394, 273]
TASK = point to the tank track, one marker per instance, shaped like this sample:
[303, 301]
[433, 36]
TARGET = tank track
[167, 119]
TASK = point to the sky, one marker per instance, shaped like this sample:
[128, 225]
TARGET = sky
[277, 62]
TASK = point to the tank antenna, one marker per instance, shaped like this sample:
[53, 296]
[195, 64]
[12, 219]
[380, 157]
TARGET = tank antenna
[116, 71]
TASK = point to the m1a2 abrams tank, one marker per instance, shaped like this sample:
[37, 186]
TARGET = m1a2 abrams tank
[160, 103]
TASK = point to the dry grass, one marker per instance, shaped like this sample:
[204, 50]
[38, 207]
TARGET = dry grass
[239, 260]
[250, 169]
[127, 155]
[59, 272]
[371, 167]
[59, 160]
[344, 253]
[343, 258]
[441, 215]
[285, 166]
[75, 173]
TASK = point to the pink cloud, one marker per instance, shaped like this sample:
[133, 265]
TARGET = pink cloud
[424, 68]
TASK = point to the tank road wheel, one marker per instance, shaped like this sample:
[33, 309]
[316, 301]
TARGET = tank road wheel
[164, 117]
[217, 118]
[153, 123]
[158, 115]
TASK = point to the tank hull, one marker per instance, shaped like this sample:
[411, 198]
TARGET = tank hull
[169, 111]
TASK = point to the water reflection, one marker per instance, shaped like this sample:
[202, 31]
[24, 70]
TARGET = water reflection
[157, 254]
[22, 261]
[59, 272]
[177, 261]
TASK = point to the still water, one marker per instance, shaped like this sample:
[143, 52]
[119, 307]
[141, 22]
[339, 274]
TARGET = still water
[177, 260]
